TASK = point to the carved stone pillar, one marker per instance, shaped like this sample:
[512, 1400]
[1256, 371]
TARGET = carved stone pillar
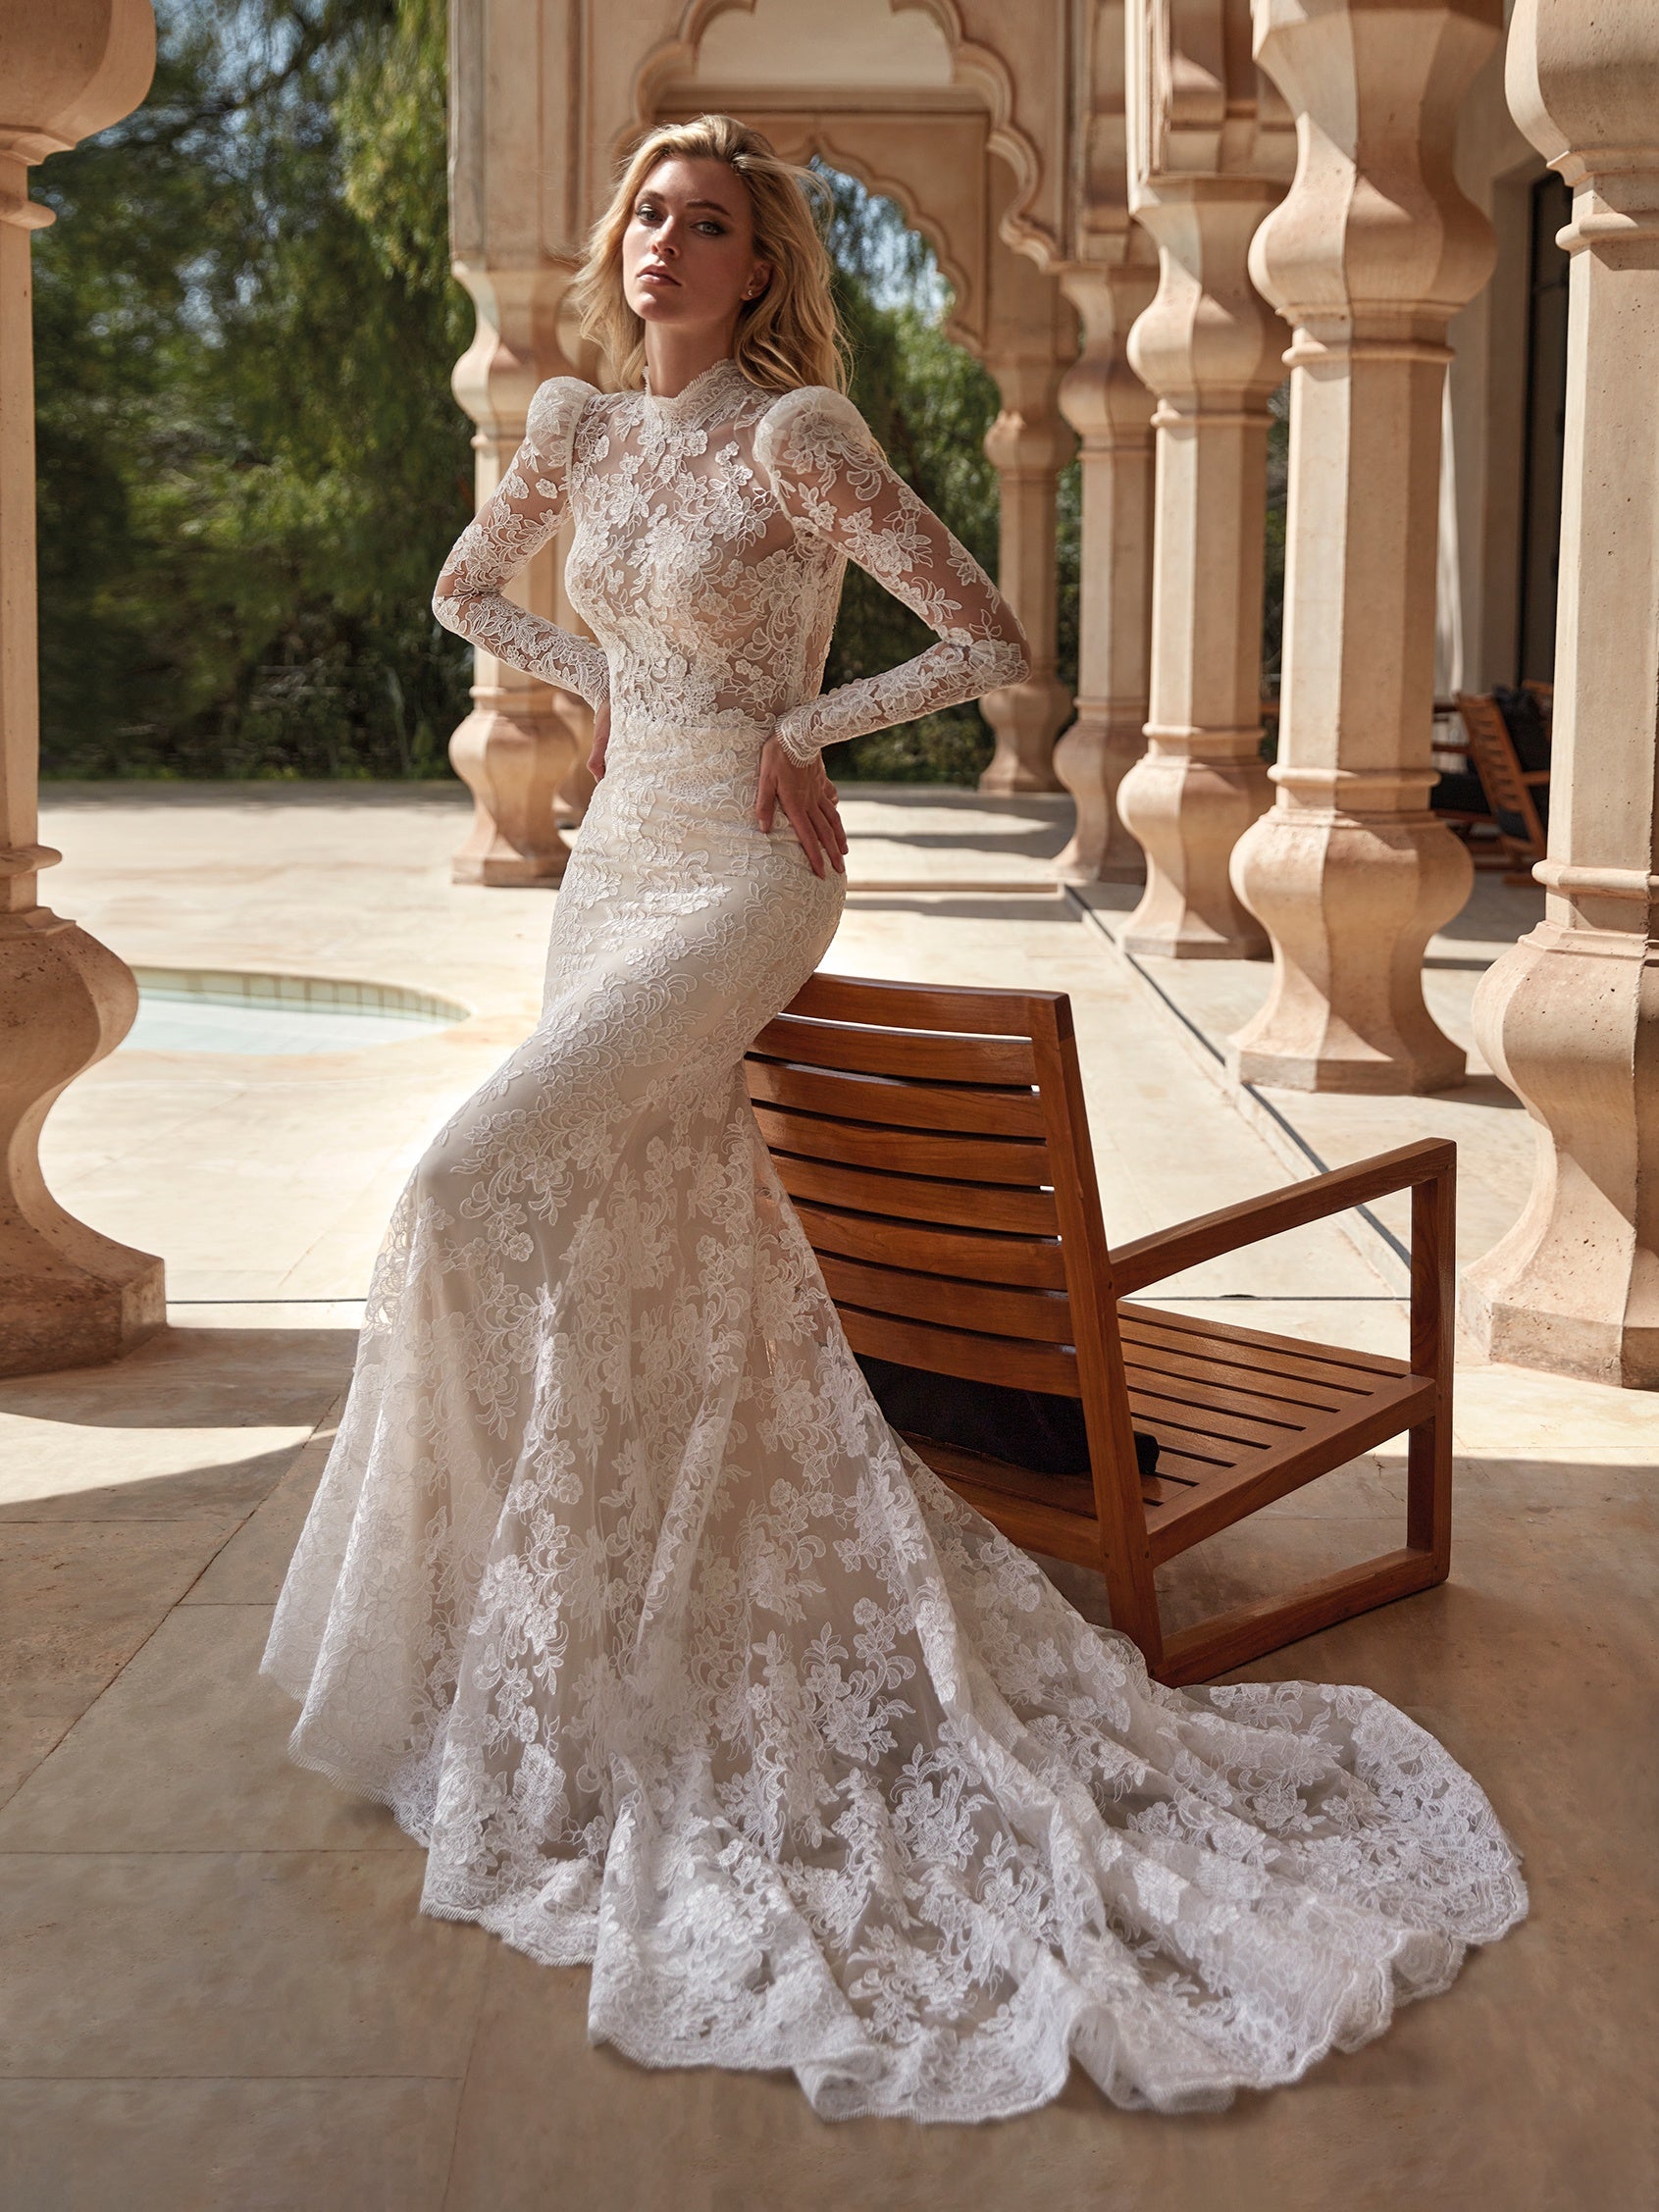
[69, 1297]
[1569, 1016]
[1031, 344]
[1369, 257]
[1110, 410]
[517, 750]
[1204, 168]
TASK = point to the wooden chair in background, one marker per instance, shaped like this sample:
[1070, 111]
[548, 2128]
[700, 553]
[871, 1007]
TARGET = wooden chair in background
[1517, 822]
[935, 1144]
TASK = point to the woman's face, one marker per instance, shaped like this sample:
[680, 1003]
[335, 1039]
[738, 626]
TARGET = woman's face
[687, 253]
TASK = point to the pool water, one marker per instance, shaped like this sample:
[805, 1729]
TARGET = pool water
[226, 1011]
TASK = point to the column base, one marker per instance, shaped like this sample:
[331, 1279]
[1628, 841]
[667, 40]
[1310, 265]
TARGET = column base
[1350, 904]
[55, 1315]
[69, 1297]
[490, 859]
[1349, 1067]
[514, 763]
[1567, 1017]
[1189, 799]
[1090, 760]
[1560, 1344]
[1024, 717]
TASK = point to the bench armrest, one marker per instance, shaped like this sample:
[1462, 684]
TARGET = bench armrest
[1170, 1252]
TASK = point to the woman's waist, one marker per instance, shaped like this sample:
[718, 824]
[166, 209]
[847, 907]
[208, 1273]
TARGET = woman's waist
[708, 765]
[648, 730]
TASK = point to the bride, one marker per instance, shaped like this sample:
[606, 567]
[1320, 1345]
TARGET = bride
[619, 1590]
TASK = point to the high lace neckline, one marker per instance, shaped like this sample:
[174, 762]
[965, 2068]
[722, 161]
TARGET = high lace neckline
[708, 392]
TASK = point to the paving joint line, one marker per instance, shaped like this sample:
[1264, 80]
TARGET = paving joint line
[1278, 1131]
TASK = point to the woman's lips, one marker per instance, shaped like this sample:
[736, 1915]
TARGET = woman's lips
[656, 276]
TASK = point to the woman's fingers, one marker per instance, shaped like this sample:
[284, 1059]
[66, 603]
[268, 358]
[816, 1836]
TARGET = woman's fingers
[808, 800]
[829, 833]
[800, 821]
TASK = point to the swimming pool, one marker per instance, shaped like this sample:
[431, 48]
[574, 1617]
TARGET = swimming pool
[233, 1010]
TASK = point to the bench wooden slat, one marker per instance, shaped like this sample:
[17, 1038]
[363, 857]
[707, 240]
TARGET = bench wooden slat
[969, 1109]
[1042, 1317]
[918, 1199]
[1019, 1366]
[1282, 1396]
[1287, 1355]
[882, 1052]
[970, 1254]
[1015, 1161]
[953, 1009]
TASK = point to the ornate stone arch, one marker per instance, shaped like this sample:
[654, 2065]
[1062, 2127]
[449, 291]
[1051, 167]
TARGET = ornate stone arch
[1034, 222]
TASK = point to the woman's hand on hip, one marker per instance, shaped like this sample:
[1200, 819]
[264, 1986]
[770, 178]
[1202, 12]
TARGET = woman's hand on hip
[601, 740]
[808, 800]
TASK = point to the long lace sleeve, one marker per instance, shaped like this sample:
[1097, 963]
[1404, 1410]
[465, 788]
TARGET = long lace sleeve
[829, 477]
[515, 522]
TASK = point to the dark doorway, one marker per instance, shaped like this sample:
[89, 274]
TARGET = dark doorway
[1545, 432]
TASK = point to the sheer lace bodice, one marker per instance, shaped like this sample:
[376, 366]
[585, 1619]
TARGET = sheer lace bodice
[711, 533]
[618, 1587]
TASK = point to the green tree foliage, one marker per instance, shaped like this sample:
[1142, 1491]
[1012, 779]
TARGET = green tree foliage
[250, 461]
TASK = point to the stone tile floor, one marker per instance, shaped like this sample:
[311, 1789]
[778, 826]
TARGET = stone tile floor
[217, 1991]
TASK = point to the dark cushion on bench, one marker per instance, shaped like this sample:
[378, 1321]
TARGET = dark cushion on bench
[1459, 793]
[1031, 1428]
[1524, 718]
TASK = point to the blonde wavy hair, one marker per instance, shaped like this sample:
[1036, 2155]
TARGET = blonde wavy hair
[787, 337]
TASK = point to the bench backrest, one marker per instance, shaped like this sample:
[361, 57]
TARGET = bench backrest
[936, 1147]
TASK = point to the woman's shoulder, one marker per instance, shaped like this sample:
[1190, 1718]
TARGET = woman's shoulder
[555, 411]
[798, 421]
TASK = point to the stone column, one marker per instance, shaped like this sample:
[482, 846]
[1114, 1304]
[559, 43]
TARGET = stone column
[1569, 1016]
[1209, 349]
[1369, 257]
[69, 1297]
[524, 740]
[1110, 410]
[1031, 344]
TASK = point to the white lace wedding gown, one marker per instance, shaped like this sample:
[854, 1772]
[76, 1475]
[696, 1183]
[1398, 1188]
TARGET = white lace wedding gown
[617, 1587]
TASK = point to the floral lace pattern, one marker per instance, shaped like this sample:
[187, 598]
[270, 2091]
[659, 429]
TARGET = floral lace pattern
[619, 1590]
[711, 533]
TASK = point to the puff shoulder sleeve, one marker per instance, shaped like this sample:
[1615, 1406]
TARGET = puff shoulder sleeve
[515, 522]
[828, 475]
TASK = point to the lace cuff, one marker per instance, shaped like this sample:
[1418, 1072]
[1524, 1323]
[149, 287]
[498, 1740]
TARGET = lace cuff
[516, 521]
[828, 475]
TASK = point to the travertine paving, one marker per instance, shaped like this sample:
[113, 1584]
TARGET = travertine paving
[217, 1991]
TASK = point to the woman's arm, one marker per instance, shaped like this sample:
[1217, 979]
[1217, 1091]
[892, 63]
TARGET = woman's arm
[829, 477]
[523, 513]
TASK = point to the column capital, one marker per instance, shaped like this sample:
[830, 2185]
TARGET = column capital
[1592, 108]
[73, 70]
[1374, 239]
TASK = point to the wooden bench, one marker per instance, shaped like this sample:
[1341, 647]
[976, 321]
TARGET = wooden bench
[935, 1145]
[1516, 823]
